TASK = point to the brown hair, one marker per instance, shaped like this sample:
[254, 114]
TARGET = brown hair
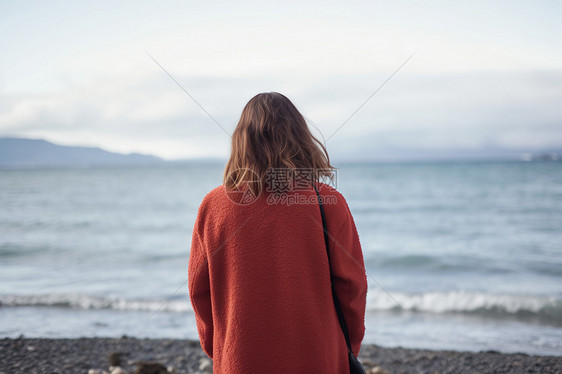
[272, 133]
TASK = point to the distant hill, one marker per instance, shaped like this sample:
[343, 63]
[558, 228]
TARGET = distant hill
[363, 150]
[37, 152]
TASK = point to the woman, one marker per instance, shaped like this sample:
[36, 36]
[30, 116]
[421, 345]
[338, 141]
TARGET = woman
[259, 274]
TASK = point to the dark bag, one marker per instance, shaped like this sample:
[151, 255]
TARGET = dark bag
[354, 365]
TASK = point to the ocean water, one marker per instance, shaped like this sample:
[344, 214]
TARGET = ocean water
[459, 255]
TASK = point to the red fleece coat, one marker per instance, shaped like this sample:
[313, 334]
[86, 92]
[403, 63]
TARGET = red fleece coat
[259, 282]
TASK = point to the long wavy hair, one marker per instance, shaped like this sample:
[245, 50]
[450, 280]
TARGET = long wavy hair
[273, 134]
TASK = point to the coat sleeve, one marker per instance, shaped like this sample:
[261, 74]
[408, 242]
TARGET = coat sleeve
[350, 279]
[200, 292]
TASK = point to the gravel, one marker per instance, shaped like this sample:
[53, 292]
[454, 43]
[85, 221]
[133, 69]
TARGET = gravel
[125, 355]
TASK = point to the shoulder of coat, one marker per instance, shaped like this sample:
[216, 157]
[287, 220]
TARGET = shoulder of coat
[327, 190]
[334, 202]
[215, 193]
[211, 198]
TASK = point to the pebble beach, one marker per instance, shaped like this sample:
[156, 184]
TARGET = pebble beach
[159, 356]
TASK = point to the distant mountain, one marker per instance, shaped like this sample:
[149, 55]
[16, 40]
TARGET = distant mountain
[367, 150]
[37, 152]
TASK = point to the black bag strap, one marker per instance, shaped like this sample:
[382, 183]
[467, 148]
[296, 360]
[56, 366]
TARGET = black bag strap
[334, 295]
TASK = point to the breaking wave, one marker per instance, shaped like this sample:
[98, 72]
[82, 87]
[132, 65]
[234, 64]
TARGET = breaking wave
[541, 308]
[80, 301]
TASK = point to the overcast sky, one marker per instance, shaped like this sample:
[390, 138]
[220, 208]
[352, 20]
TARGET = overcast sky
[485, 74]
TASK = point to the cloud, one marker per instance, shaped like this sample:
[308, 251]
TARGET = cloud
[418, 111]
[125, 116]
[477, 79]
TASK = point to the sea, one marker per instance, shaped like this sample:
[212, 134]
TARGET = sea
[463, 255]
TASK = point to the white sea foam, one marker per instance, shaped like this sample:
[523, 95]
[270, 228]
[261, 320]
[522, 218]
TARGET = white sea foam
[80, 301]
[466, 302]
[378, 300]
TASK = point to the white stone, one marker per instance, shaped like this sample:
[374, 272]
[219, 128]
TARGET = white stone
[205, 365]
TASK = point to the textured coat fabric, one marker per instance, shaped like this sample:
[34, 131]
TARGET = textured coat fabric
[259, 282]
